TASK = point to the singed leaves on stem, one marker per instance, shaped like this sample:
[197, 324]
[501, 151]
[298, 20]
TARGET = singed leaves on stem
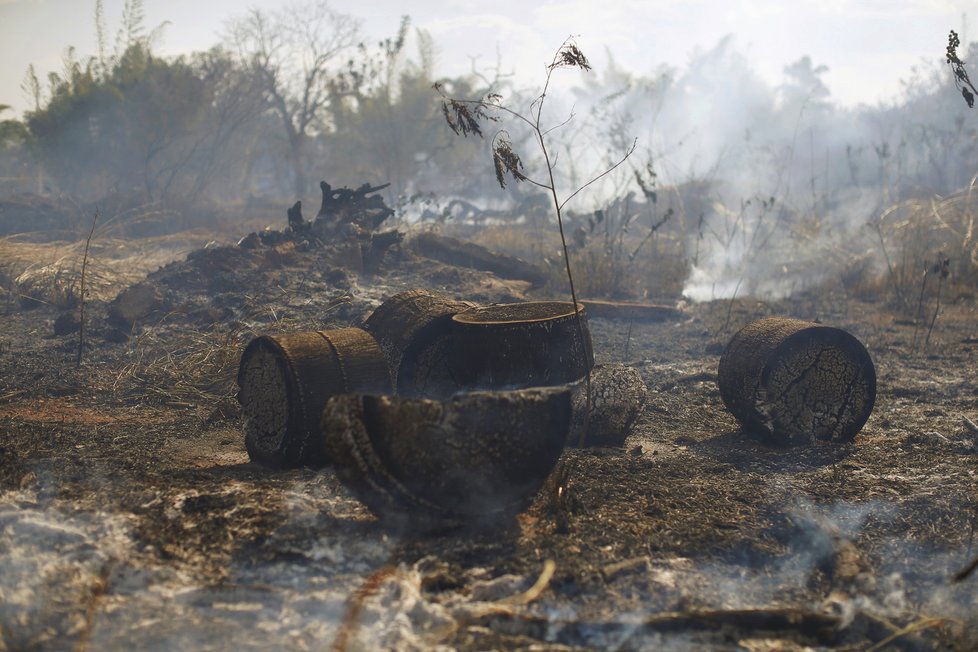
[505, 160]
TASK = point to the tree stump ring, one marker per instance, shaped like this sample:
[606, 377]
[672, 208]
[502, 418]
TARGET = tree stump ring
[284, 381]
[793, 382]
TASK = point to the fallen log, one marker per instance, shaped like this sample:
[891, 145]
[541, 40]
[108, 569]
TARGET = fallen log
[792, 382]
[604, 309]
[530, 344]
[284, 382]
[468, 254]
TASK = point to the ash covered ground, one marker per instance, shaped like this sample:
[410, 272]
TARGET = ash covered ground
[132, 518]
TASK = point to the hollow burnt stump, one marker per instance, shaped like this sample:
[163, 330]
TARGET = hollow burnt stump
[284, 381]
[413, 329]
[475, 457]
[530, 344]
[793, 382]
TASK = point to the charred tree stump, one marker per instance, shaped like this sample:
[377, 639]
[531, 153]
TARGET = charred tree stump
[343, 206]
[477, 457]
[377, 247]
[285, 380]
[531, 344]
[617, 398]
[793, 382]
[414, 329]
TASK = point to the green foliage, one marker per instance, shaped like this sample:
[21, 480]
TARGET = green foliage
[388, 128]
[12, 132]
[122, 129]
[146, 126]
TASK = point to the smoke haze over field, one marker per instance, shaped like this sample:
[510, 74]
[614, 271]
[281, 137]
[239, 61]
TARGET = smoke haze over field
[770, 136]
[867, 46]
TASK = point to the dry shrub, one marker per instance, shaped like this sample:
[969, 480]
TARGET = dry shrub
[657, 272]
[915, 237]
[50, 272]
[610, 261]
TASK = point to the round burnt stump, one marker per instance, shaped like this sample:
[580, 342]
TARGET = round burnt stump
[617, 398]
[413, 330]
[794, 382]
[284, 382]
[530, 344]
[477, 457]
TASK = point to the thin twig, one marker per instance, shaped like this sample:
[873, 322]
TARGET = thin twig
[963, 574]
[350, 619]
[937, 307]
[916, 626]
[730, 305]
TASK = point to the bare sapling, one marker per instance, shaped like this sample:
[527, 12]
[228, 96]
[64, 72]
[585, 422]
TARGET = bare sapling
[466, 117]
[81, 290]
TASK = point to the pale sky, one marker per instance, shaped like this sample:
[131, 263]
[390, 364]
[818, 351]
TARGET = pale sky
[868, 45]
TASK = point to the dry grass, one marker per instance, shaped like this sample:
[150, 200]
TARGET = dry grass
[657, 271]
[916, 234]
[50, 272]
[183, 366]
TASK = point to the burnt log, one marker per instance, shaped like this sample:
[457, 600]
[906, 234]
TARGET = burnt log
[792, 382]
[529, 344]
[468, 254]
[284, 381]
[617, 397]
[413, 329]
[478, 457]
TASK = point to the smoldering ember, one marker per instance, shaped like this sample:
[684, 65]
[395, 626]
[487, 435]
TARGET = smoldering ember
[684, 411]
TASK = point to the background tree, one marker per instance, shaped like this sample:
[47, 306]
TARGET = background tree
[296, 55]
[389, 128]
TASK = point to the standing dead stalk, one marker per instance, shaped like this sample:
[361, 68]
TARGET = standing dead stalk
[465, 117]
[943, 268]
[81, 290]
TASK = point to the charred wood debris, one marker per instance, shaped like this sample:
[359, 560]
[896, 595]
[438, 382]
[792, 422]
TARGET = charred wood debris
[346, 217]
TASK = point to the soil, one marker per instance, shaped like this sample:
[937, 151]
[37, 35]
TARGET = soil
[132, 518]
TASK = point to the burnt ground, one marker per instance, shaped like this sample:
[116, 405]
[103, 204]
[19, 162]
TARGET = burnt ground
[132, 518]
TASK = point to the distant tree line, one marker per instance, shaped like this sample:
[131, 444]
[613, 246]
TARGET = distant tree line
[296, 95]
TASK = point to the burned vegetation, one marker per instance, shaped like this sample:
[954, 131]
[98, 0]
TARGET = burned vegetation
[365, 432]
[279, 443]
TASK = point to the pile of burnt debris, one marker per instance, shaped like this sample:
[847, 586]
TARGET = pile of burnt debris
[327, 257]
[348, 225]
[343, 244]
[441, 409]
[348, 222]
[451, 412]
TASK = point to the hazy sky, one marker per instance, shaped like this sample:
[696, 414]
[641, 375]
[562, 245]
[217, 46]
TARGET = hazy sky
[868, 45]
